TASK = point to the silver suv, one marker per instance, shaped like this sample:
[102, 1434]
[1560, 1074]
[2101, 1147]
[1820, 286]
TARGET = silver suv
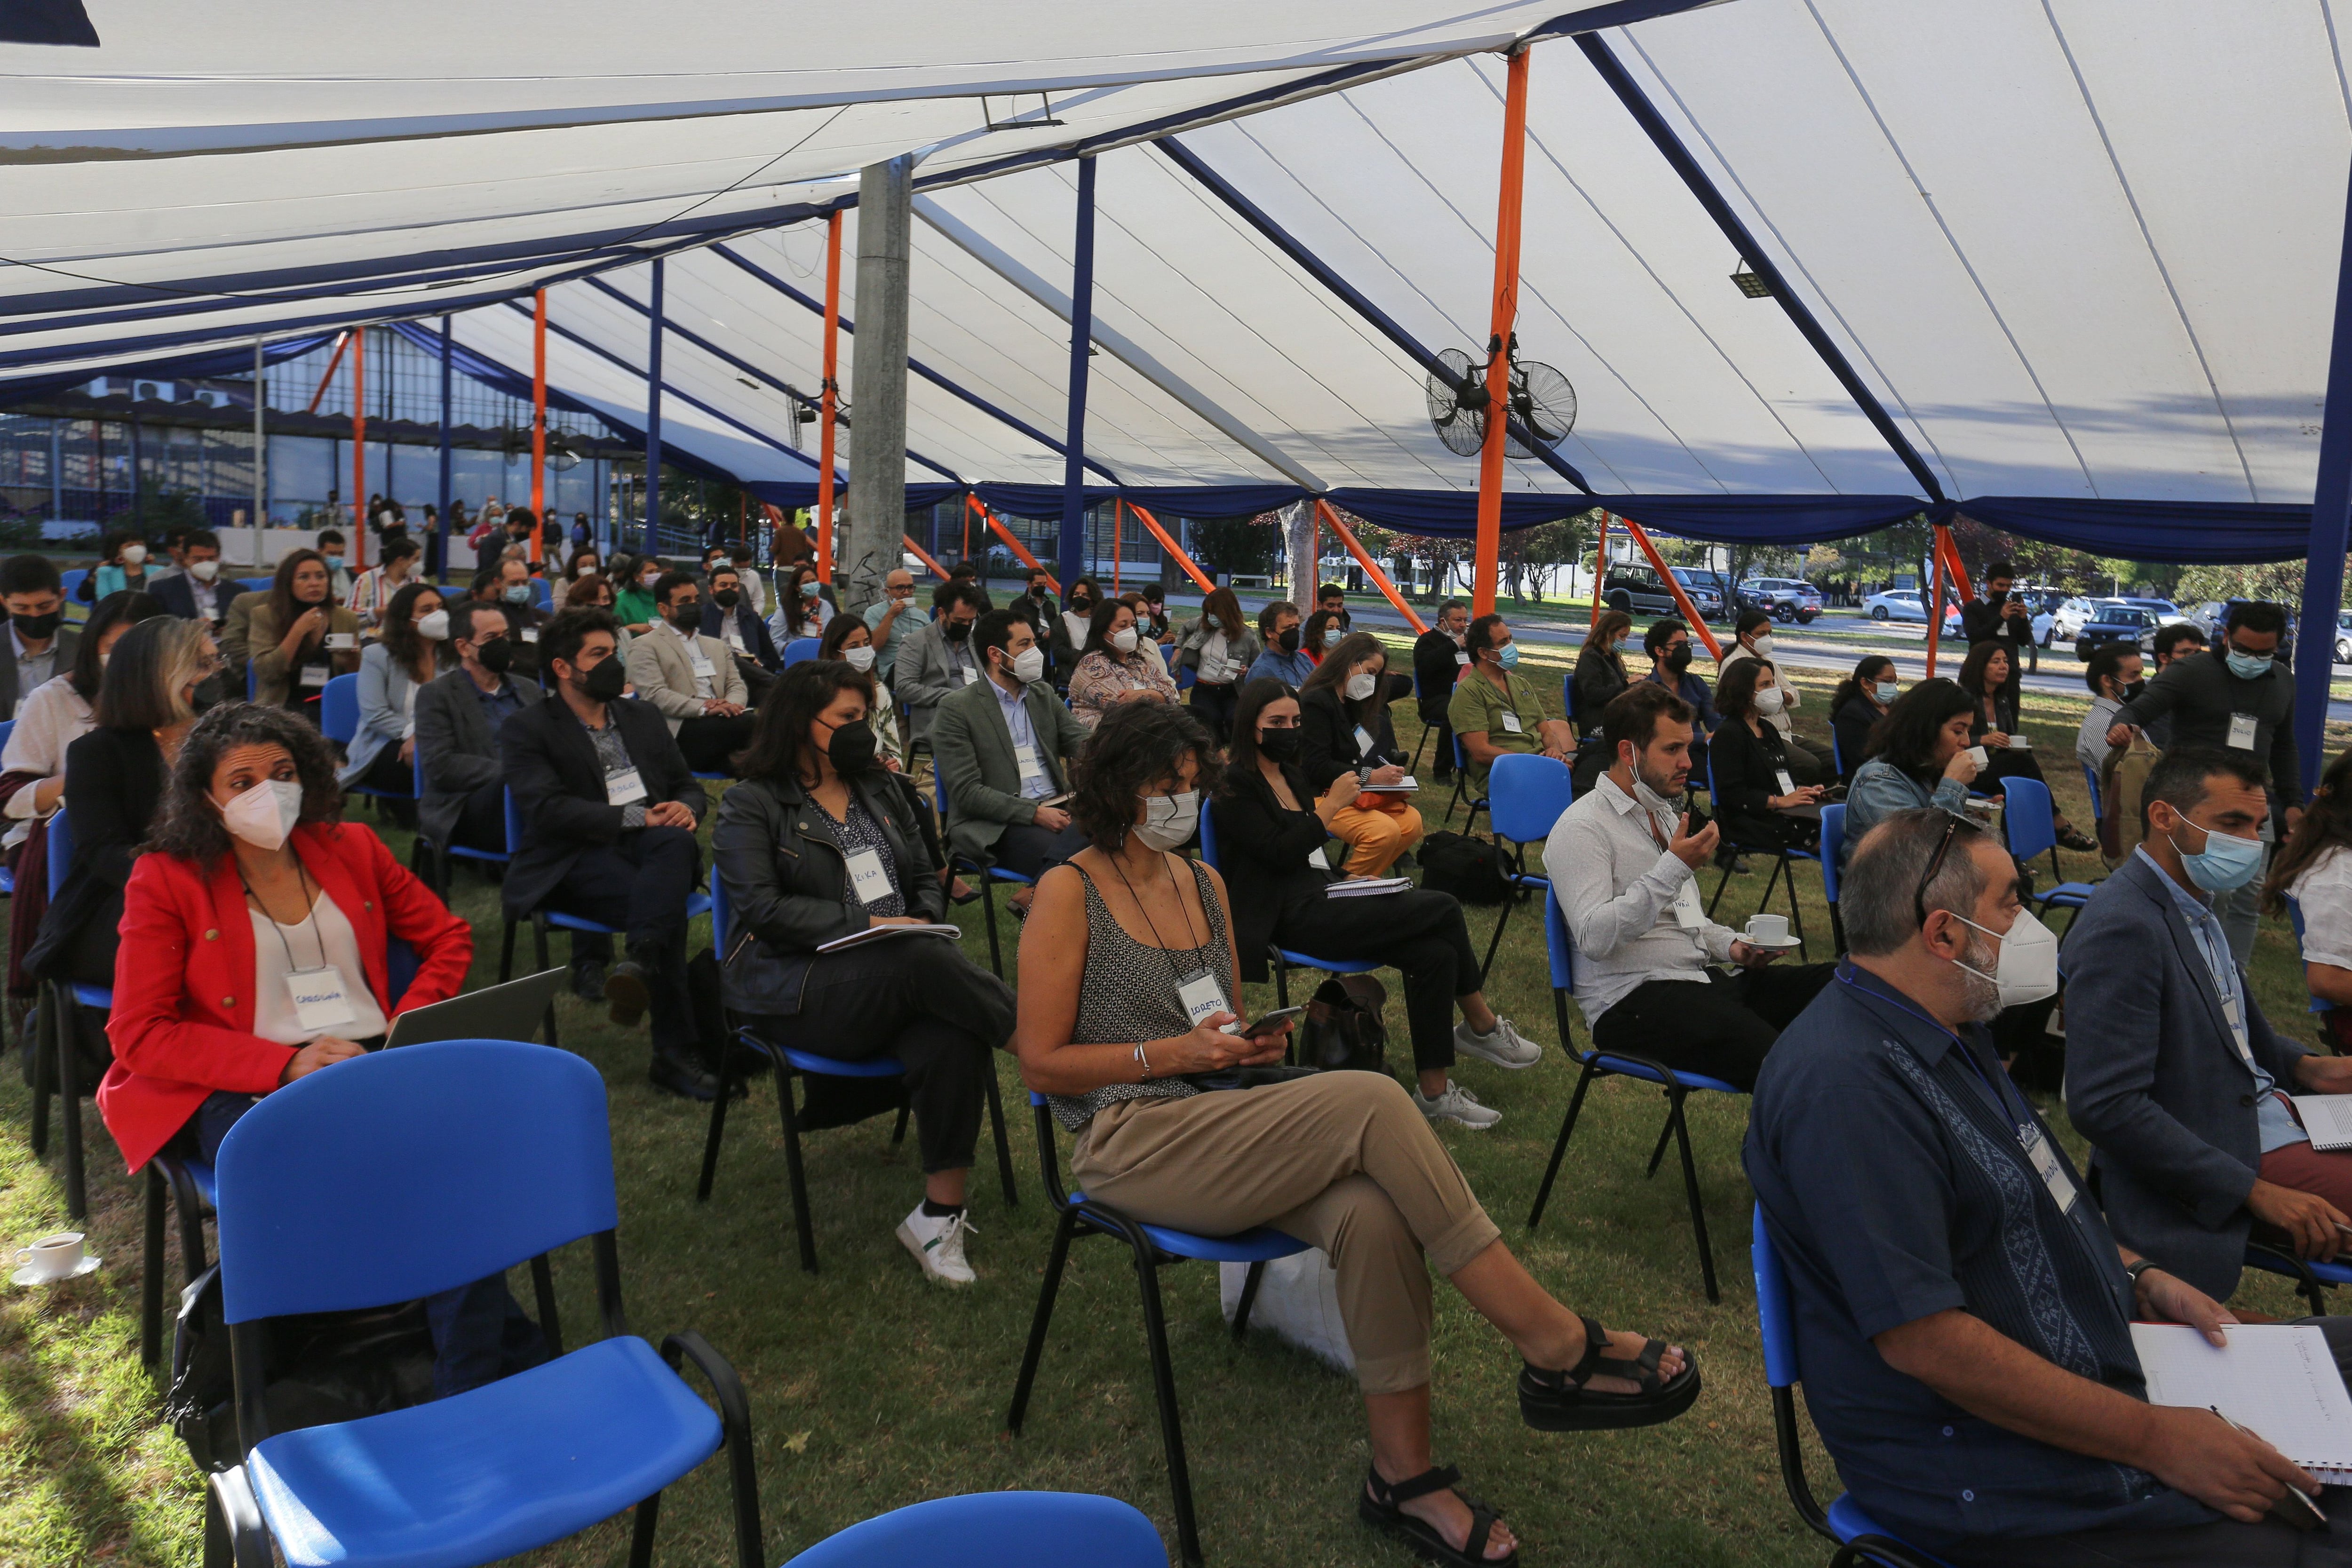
[1785, 598]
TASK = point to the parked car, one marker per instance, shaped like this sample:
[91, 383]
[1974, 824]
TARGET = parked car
[2165, 611]
[2212, 618]
[1637, 590]
[2116, 622]
[1904, 604]
[2067, 621]
[2344, 637]
[1785, 599]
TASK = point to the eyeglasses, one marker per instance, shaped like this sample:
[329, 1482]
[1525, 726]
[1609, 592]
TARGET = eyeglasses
[1953, 823]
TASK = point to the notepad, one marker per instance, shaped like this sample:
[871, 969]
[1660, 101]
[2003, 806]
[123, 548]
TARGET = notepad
[1399, 788]
[882, 934]
[2277, 1379]
[1366, 887]
[2327, 1117]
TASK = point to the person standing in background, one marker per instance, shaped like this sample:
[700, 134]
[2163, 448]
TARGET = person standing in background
[1438, 660]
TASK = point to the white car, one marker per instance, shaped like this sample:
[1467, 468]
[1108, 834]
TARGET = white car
[1904, 604]
[2072, 616]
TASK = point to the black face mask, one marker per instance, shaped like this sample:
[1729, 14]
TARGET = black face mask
[1038, 592]
[1678, 660]
[39, 628]
[726, 598]
[1282, 745]
[604, 683]
[851, 750]
[958, 631]
[1081, 605]
[495, 655]
[1288, 641]
[2131, 692]
[687, 618]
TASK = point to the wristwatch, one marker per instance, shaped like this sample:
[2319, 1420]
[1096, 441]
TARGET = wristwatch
[2136, 1269]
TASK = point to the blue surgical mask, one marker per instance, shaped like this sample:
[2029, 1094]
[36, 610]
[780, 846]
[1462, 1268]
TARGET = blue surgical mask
[2249, 666]
[334, 562]
[1888, 691]
[1619, 646]
[2226, 862]
[518, 593]
[1509, 655]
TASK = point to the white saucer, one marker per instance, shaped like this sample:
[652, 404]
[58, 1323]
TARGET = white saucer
[27, 1275]
[1783, 945]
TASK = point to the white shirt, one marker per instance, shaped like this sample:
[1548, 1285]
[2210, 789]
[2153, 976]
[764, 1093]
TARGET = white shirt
[279, 951]
[693, 656]
[2091, 740]
[2324, 893]
[1790, 696]
[1617, 885]
[1015, 708]
[1215, 667]
[53, 718]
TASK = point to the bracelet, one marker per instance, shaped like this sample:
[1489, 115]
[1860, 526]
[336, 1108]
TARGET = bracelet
[1143, 1062]
[2136, 1269]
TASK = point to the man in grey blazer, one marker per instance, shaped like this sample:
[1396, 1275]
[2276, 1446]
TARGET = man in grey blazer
[1003, 746]
[459, 717]
[37, 644]
[2172, 1073]
[692, 678]
[938, 659]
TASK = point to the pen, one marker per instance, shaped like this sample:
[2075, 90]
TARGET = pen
[2316, 1516]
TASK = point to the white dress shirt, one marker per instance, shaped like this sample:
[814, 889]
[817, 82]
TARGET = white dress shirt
[1617, 884]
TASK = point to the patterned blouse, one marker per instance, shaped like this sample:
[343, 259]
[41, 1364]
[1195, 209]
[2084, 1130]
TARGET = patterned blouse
[861, 832]
[1101, 677]
[1128, 996]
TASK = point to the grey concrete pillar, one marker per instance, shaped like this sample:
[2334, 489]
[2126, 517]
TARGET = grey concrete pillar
[867, 547]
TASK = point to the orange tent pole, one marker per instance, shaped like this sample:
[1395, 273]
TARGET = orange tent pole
[1599, 570]
[1020, 549]
[1935, 605]
[334, 362]
[1168, 542]
[359, 445]
[1498, 363]
[539, 426]
[1950, 546]
[924, 556]
[1323, 510]
[1691, 617]
[832, 397]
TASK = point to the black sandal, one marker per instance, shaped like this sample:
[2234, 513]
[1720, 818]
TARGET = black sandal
[1378, 1505]
[1558, 1401]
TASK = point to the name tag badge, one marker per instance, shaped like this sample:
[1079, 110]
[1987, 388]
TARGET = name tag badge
[624, 787]
[1317, 858]
[1463, 659]
[314, 675]
[1202, 996]
[1363, 741]
[1026, 755]
[342, 642]
[530, 634]
[1511, 722]
[868, 880]
[2242, 731]
[964, 675]
[320, 1000]
[1688, 912]
[2044, 1160]
[1787, 784]
[700, 662]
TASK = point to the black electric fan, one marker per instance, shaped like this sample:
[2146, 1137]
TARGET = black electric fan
[1542, 402]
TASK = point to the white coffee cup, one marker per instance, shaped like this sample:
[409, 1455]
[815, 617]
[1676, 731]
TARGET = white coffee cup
[342, 642]
[52, 1256]
[1772, 930]
[2020, 743]
[1976, 754]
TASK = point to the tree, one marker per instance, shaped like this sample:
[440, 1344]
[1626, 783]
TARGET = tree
[1229, 546]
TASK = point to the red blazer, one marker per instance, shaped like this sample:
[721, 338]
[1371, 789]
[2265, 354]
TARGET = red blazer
[183, 1020]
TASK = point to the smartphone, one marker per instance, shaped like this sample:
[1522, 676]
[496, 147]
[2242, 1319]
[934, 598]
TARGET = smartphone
[1265, 1023]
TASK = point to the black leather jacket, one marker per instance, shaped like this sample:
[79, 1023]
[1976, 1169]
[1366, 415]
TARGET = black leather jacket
[785, 878]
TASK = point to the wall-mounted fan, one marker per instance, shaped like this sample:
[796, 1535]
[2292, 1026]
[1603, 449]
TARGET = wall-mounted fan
[1542, 402]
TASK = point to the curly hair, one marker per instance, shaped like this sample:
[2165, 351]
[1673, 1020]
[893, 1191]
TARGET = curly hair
[1137, 746]
[188, 825]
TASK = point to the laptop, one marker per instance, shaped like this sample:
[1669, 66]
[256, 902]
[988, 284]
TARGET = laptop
[510, 1012]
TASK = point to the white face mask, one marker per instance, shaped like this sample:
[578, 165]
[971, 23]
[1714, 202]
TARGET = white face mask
[204, 571]
[1029, 665]
[134, 555]
[1762, 645]
[434, 627]
[1169, 820]
[1123, 639]
[860, 659]
[1768, 700]
[2027, 970]
[263, 815]
[1362, 686]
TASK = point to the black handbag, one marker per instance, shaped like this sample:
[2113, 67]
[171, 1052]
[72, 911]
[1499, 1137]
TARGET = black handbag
[1343, 1030]
[1472, 869]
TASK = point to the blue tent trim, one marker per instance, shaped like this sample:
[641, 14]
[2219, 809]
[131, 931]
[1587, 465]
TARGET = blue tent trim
[224, 362]
[2221, 533]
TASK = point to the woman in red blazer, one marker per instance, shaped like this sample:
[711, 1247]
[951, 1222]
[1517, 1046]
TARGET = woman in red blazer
[253, 936]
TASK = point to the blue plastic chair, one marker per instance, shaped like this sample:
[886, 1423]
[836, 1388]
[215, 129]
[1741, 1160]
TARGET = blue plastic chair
[2026, 819]
[68, 583]
[55, 1054]
[2315, 1004]
[1462, 788]
[799, 648]
[542, 595]
[2312, 1278]
[542, 918]
[990, 873]
[308, 1225]
[256, 584]
[1561, 948]
[2091, 782]
[435, 855]
[339, 720]
[791, 1063]
[1153, 1246]
[7, 877]
[1527, 795]
[1784, 865]
[1283, 960]
[1834, 846]
[995, 1529]
[1859, 1538]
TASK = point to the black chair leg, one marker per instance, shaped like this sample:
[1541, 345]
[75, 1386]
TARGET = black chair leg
[1003, 1142]
[1163, 1383]
[1665, 1131]
[640, 1532]
[506, 953]
[1250, 1283]
[1559, 1147]
[68, 1035]
[898, 1132]
[542, 1289]
[538, 951]
[1282, 985]
[1698, 1208]
[1495, 944]
[794, 1175]
[1720, 883]
[711, 1142]
[150, 1271]
[1056, 1259]
[988, 907]
[1796, 915]
[44, 1076]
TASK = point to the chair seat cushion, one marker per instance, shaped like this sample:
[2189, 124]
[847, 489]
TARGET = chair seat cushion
[1628, 1068]
[1256, 1246]
[2073, 895]
[2326, 1273]
[1328, 965]
[523, 1462]
[99, 997]
[829, 1066]
[1847, 1521]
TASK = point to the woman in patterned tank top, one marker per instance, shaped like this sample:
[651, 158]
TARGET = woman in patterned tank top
[1127, 978]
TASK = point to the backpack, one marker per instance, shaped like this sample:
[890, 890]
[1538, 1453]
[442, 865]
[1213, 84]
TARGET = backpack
[1472, 869]
[1343, 1029]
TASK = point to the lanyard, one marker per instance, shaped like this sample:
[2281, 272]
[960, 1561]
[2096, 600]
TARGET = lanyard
[310, 916]
[1167, 952]
[1968, 1054]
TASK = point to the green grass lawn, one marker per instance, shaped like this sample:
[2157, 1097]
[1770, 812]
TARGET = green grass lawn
[871, 1389]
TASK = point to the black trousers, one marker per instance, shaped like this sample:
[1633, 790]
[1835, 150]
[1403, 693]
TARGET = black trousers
[919, 1000]
[482, 824]
[1031, 851]
[640, 882]
[1422, 934]
[711, 742]
[1214, 706]
[1441, 747]
[927, 822]
[389, 773]
[1722, 1028]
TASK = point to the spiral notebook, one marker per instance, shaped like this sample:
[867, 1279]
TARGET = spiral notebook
[2327, 1117]
[2277, 1379]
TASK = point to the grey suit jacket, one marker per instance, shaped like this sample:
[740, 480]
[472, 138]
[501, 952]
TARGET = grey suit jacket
[68, 642]
[926, 673]
[460, 755]
[2155, 1082]
[972, 749]
[664, 676]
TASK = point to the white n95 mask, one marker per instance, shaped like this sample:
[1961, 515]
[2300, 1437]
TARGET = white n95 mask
[263, 815]
[2028, 967]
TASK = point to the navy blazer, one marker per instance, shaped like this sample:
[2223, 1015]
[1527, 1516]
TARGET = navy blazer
[758, 646]
[2155, 1082]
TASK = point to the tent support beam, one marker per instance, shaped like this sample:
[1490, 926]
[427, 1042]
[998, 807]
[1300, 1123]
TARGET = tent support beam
[359, 448]
[1070, 554]
[653, 416]
[2331, 519]
[441, 519]
[1961, 587]
[1014, 543]
[1697, 622]
[1936, 605]
[539, 426]
[1792, 305]
[924, 556]
[1502, 336]
[830, 411]
[1168, 542]
[1329, 514]
[334, 362]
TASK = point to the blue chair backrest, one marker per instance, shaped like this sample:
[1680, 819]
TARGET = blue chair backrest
[1833, 846]
[69, 581]
[339, 708]
[1773, 1317]
[406, 1172]
[254, 584]
[2091, 782]
[1837, 752]
[60, 851]
[252, 680]
[1525, 795]
[1461, 757]
[8, 727]
[514, 825]
[798, 649]
[718, 913]
[2026, 818]
[1209, 838]
[2295, 917]
[1568, 695]
[996, 1529]
[1557, 943]
[400, 966]
[541, 595]
[940, 791]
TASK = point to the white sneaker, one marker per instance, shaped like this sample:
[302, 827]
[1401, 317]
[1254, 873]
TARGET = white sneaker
[1504, 1048]
[1457, 1104]
[938, 1245]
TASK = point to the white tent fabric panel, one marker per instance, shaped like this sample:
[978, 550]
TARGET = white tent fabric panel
[2084, 250]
